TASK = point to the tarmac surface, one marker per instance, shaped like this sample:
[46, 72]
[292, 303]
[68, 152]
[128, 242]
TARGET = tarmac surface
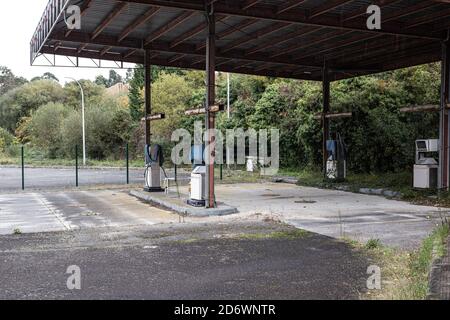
[51, 178]
[246, 260]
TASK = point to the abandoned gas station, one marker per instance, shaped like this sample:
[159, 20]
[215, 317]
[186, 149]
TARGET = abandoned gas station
[316, 40]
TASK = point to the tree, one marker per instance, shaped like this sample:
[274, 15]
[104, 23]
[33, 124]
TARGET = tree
[171, 96]
[114, 78]
[135, 94]
[136, 80]
[93, 94]
[49, 76]
[101, 81]
[44, 127]
[46, 76]
[21, 101]
[9, 81]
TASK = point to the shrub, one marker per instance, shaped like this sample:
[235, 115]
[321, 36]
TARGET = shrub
[44, 127]
[7, 140]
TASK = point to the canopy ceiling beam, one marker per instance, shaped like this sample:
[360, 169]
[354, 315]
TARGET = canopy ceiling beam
[295, 16]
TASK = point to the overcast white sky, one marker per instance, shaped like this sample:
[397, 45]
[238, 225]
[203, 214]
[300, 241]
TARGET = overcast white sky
[18, 20]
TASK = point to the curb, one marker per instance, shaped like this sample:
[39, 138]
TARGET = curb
[182, 208]
[434, 276]
[368, 191]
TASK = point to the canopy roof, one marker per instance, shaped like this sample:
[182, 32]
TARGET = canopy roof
[275, 38]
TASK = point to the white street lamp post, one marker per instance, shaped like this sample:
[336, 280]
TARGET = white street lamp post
[228, 94]
[83, 119]
[228, 114]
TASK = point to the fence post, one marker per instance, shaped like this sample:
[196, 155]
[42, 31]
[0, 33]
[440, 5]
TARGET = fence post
[127, 155]
[23, 166]
[176, 173]
[76, 166]
[221, 172]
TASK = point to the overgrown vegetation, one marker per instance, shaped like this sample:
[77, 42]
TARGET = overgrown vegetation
[46, 117]
[289, 235]
[405, 274]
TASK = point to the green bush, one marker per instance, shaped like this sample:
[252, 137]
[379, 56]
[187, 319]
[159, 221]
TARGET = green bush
[45, 125]
[108, 129]
[6, 139]
[21, 101]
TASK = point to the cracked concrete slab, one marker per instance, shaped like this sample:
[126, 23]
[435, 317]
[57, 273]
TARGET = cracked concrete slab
[59, 211]
[332, 213]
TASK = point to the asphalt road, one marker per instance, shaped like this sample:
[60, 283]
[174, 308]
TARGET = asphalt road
[181, 262]
[46, 178]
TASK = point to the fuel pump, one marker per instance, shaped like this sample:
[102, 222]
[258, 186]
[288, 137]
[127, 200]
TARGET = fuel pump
[198, 177]
[426, 166]
[154, 161]
[337, 159]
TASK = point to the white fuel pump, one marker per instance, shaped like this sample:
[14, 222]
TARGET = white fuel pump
[426, 167]
[198, 177]
[153, 163]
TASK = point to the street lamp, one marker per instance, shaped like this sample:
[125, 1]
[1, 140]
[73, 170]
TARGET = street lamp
[83, 119]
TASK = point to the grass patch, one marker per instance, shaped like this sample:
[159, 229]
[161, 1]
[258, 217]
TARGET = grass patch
[373, 244]
[394, 181]
[237, 176]
[285, 235]
[187, 241]
[405, 274]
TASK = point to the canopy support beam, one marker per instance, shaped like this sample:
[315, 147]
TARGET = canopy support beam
[210, 101]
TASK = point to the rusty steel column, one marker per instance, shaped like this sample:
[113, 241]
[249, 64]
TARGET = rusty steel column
[210, 101]
[444, 138]
[325, 111]
[148, 96]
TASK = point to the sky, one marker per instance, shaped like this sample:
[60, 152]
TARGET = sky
[18, 21]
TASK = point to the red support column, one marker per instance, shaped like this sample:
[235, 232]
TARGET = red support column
[210, 100]
[325, 111]
[148, 96]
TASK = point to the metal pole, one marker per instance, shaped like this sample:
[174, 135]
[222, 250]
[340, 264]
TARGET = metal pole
[325, 121]
[228, 95]
[83, 120]
[23, 167]
[229, 115]
[210, 100]
[76, 166]
[176, 173]
[148, 96]
[127, 155]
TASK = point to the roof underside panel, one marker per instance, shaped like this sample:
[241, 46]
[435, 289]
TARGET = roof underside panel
[267, 37]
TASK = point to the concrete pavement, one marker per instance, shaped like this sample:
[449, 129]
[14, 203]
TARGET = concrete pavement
[333, 213]
[58, 211]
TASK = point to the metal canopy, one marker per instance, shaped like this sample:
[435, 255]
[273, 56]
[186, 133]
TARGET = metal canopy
[277, 38]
